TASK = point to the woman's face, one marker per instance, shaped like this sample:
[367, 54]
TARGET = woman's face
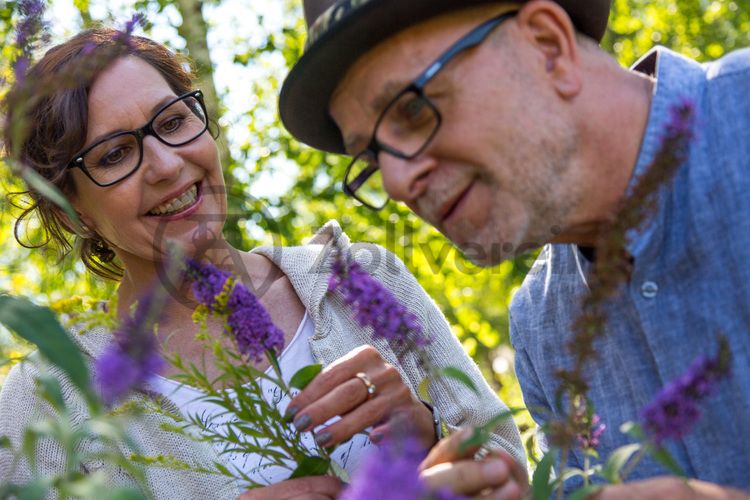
[176, 194]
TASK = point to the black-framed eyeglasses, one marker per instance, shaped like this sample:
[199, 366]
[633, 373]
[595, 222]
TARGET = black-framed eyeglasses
[407, 124]
[117, 157]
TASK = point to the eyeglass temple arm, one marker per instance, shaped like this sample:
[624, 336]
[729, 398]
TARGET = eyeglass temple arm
[475, 37]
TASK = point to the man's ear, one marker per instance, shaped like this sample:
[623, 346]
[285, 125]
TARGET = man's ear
[550, 32]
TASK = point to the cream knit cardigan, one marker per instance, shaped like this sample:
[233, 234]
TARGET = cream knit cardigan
[336, 334]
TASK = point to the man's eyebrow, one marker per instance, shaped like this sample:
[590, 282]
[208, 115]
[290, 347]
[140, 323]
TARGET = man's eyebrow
[353, 143]
[384, 97]
[110, 133]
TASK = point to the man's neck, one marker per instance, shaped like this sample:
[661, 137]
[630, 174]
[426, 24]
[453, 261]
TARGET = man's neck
[614, 121]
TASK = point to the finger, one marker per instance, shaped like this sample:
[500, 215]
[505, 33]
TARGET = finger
[362, 417]
[517, 471]
[334, 375]
[415, 417]
[338, 401]
[467, 477]
[326, 486]
[353, 393]
[509, 491]
[450, 449]
[312, 496]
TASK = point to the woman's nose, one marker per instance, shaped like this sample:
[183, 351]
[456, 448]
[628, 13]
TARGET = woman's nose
[160, 162]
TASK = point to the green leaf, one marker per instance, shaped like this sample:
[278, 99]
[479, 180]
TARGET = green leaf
[667, 460]
[617, 460]
[304, 376]
[477, 438]
[33, 490]
[583, 493]
[633, 430]
[456, 374]
[123, 494]
[423, 390]
[51, 391]
[49, 191]
[482, 434]
[39, 326]
[311, 466]
[5, 442]
[541, 486]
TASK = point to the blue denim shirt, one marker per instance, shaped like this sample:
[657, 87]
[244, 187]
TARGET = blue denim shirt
[691, 281]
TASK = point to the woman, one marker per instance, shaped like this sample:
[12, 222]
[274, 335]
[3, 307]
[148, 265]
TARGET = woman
[127, 144]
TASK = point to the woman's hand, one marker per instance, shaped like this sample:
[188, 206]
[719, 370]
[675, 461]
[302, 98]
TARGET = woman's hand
[497, 475]
[338, 390]
[307, 488]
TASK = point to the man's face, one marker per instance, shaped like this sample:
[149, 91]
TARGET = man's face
[496, 179]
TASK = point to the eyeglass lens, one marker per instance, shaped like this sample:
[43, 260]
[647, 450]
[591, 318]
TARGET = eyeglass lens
[405, 128]
[115, 158]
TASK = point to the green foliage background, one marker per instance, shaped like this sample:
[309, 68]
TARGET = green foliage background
[474, 300]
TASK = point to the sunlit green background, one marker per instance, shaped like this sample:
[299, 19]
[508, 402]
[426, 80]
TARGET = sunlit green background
[281, 191]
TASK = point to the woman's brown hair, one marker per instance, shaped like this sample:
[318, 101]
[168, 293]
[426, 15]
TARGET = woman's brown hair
[52, 103]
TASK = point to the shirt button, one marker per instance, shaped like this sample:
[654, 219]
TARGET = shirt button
[649, 289]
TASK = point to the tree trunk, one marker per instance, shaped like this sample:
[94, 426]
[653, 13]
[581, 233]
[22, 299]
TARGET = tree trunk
[194, 31]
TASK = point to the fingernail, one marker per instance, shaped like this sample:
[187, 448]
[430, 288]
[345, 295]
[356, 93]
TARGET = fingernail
[494, 470]
[376, 437]
[323, 438]
[290, 413]
[302, 422]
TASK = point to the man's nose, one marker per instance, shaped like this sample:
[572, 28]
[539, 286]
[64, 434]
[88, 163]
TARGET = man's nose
[405, 180]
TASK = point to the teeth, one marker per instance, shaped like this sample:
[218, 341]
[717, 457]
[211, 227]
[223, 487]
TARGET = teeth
[174, 205]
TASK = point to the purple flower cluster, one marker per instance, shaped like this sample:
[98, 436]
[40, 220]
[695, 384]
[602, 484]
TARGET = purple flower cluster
[251, 325]
[126, 33]
[133, 358]
[590, 440]
[248, 322]
[391, 471]
[29, 27]
[208, 282]
[374, 305]
[674, 410]
[681, 120]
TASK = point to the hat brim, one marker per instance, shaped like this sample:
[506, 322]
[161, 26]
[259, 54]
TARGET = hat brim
[306, 92]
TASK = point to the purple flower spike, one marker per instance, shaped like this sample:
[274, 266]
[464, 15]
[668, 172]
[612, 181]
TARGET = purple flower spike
[590, 439]
[374, 305]
[30, 28]
[248, 322]
[133, 358]
[675, 408]
[208, 282]
[251, 325]
[391, 471]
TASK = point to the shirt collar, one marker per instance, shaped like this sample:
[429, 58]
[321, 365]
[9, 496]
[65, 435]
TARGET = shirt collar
[677, 78]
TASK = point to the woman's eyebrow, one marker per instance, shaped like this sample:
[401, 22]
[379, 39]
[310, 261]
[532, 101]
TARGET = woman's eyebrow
[154, 110]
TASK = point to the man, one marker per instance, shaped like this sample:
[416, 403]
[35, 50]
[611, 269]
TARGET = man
[505, 126]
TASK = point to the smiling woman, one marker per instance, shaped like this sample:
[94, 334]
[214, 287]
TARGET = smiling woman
[124, 138]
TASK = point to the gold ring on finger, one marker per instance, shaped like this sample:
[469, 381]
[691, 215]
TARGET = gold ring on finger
[371, 388]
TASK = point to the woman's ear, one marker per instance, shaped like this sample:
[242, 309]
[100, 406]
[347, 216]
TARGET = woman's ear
[550, 32]
[83, 226]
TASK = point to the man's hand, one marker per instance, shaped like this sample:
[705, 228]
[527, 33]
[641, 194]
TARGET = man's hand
[495, 476]
[668, 487]
[307, 488]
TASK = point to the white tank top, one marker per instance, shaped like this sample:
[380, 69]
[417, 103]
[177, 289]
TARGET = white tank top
[296, 355]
